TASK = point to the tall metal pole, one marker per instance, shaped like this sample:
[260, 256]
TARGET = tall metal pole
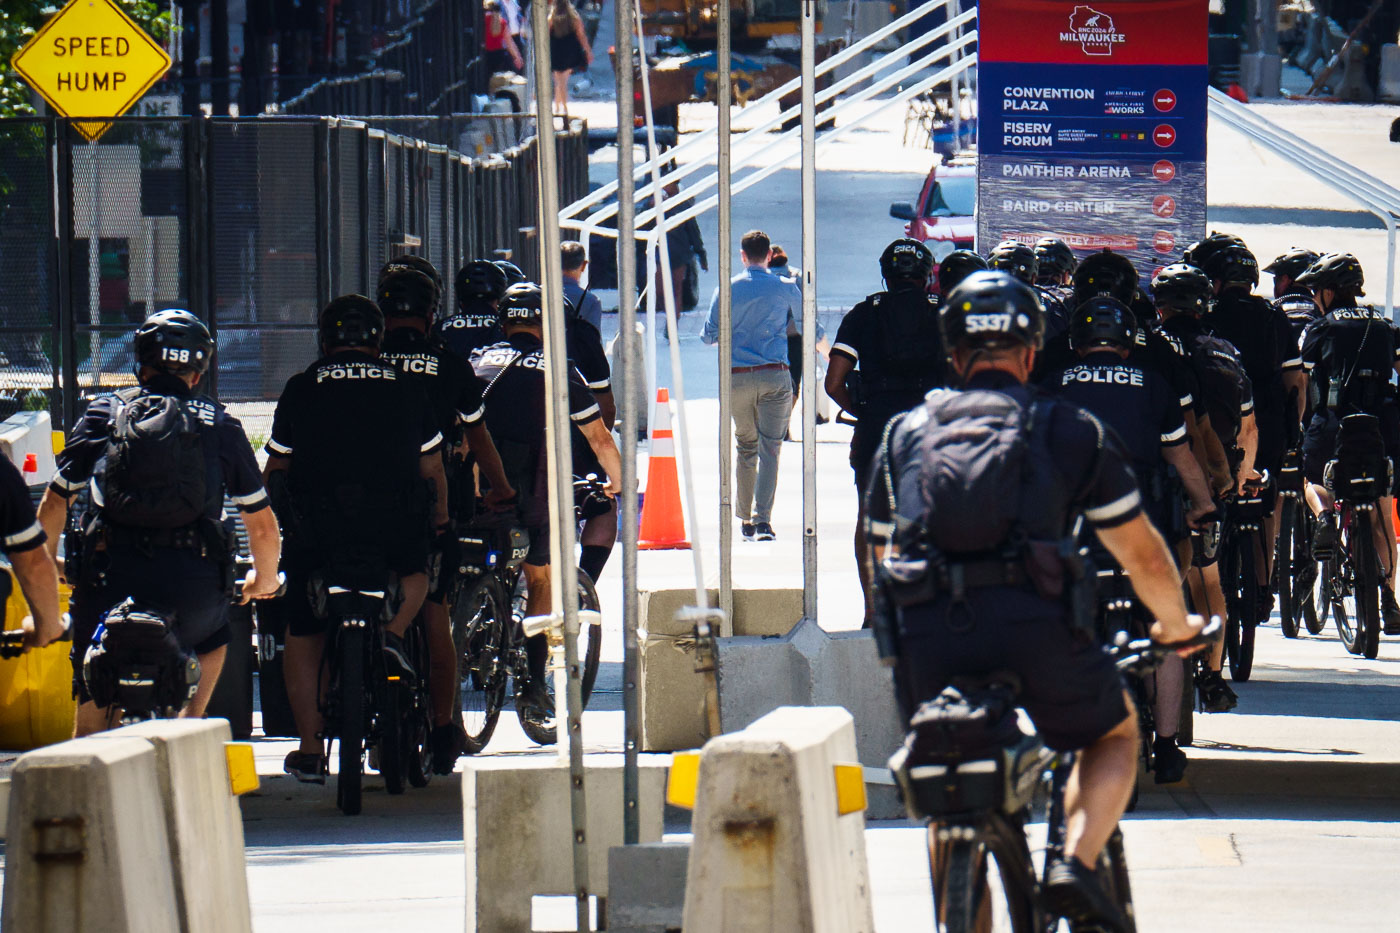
[627, 327]
[809, 310]
[724, 91]
[563, 593]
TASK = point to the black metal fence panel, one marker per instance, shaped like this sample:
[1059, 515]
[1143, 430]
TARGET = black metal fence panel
[252, 224]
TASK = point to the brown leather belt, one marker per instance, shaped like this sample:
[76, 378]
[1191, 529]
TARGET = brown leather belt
[758, 369]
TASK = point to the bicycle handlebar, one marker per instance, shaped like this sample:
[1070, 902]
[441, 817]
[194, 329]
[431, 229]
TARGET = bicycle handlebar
[1143, 655]
[12, 640]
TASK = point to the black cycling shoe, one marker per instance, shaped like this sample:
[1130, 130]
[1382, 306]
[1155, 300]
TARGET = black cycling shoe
[536, 700]
[1390, 611]
[1216, 695]
[306, 767]
[1072, 891]
[396, 659]
[1324, 540]
[449, 743]
[1168, 761]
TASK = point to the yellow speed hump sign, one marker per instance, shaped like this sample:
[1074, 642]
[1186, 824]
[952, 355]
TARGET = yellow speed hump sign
[91, 60]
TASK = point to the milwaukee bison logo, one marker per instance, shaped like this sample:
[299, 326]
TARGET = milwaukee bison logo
[1093, 31]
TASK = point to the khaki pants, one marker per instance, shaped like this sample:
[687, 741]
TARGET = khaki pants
[762, 404]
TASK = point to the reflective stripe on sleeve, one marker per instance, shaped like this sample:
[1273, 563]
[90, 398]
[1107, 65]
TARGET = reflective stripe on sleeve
[65, 485]
[249, 502]
[21, 538]
[587, 413]
[602, 386]
[847, 349]
[1115, 509]
[431, 444]
[275, 448]
[474, 417]
[1175, 437]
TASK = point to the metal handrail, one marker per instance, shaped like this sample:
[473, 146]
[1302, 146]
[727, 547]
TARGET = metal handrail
[703, 138]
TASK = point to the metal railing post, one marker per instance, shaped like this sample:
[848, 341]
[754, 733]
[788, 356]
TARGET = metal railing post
[631, 419]
[724, 91]
[809, 311]
[564, 591]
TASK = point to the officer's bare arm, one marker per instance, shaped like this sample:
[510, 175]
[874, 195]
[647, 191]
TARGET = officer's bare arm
[275, 463]
[1140, 551]
[1179, 456]
[837, 370]
[38, 579]
[605, 449]
[1249, 443]
[1296, 382]
[1210, 453]
[431, 469]
[53, 515]
[265, 547]
[607, 407]
[483, 447]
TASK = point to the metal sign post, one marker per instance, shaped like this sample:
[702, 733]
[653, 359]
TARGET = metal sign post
[724, 91]
[564, 592]
[627, 328]
[809, 311]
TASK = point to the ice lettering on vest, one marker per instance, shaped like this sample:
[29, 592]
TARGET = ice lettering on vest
[418, 363]
[204, 411]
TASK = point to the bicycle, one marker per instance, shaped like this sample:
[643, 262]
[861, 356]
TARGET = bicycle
[1242, 551]
[1295, 569]
[367, 709]
[488, 609]
[1352, 577]
[977, 802]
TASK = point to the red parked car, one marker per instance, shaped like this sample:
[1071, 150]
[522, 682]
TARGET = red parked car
[944, 216]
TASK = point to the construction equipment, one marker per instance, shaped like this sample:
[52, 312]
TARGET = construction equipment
[754, 21]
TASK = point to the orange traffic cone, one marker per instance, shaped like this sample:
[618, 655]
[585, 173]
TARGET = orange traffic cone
[663, 522]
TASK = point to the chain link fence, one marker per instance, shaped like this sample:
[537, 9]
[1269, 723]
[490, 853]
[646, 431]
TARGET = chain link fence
[253, 224]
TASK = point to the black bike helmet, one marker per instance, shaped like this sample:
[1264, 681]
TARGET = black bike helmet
[956, 266]
[1054, 258]
[419, 264]
[1105, 273]
[1200, 251]
[1232, 265]
[513, 273]
[522, 304]
[1015, 259]
[906, 260]
[1101, 321]
[991, 309]
[174, 341]
[480, 279]
[1292, 263]
[1182, 287]
[351, 321]
[406, 292]
[1334, 270]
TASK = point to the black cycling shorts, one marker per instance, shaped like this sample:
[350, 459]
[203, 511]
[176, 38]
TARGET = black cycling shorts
[538, 555]
[1320, 443]
[1069, 686]
[171, 580]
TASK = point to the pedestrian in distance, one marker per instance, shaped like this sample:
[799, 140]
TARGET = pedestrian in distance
[780, 267]
[153, 529]
[569, 50]
[502, 54]
[762, 304]
[573, 262]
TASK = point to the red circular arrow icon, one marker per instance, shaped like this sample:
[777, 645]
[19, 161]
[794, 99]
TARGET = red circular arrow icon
[1164, 100]
[1164, 170]
[1163, 242]
[1164, 135]
[1164, 205]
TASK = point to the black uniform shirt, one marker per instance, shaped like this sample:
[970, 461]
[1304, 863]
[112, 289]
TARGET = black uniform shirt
[1264, 339]
[1298, 306]
[19, 529]
[451, 386]
[352, 420]
[1342, 347]
[1134, 401]
[83, 457]
[893, 338]
[472, 328]
[1107, 492]
[514, 373]
[585, 346]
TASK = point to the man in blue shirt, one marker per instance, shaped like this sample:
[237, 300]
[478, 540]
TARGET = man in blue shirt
[763, 303]
[573, 259]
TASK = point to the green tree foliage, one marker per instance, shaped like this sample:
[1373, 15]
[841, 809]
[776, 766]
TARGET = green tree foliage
[21, 19]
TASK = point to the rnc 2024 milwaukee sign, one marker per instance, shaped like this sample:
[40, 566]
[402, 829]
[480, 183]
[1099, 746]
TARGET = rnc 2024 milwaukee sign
[1093, 124]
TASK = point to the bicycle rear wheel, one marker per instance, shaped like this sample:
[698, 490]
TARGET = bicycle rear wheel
[1284, 569]
[351, 703]
[389, 718]
[1242, 601]
[418, 719]
[590, 645]
[1368, 583]
[479, 634]
[1113, 871]
[979, 891]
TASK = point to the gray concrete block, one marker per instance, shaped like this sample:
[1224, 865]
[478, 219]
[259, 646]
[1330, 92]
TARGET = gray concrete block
[646, 887]
[812, 667]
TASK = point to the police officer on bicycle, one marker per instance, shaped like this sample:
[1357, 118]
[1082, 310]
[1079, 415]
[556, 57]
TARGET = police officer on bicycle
[158, 460]
[1055, 264]
[479, 287]
[355, 450]
[408, 299]
[892, 336]
[1293, 300]
[514, 370]
[1021, 262]
[22, 540]
[1148, 416]
[973, 495]
[1350, 354]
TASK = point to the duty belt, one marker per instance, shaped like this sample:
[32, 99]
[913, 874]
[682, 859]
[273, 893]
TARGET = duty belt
[955, 579]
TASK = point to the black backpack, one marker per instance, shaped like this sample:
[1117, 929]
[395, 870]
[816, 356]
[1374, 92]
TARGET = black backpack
[985, 460]
[1361, 471]
[155, 475]
[136, 663]
[1223, 381]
